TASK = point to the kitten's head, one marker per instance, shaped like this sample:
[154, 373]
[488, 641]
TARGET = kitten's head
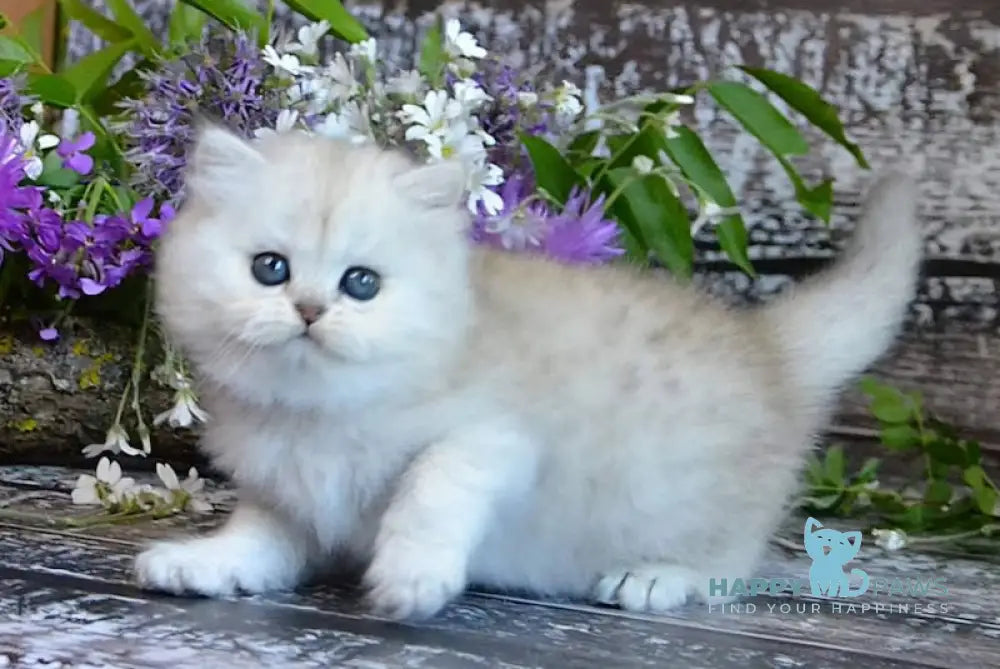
[299, 262]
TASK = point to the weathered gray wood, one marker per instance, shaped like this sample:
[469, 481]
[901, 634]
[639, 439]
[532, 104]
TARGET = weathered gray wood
[68, 592]
[67, 595]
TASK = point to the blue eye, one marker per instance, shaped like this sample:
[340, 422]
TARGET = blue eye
[271, 269]
[360, 283]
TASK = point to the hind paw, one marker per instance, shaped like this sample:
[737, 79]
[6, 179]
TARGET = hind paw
[649, 588]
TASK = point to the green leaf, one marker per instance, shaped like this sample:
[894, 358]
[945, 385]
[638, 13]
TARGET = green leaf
[899, 437]
[13, 50]
[54, 175]
[763, 120]
[983, 489]
[127, 18]
[732, 236]
[946, 452]
[9, 67]
[583, 145]
[231, 13]
[817, 200]
[938, 493]
[695, 162]
[53, 89]
[697, 165]
[833, 465]
[89, 75]
[186, 24]
[651, 208]
[887, 502]
[433, 58]
[892, 410]
[814, 470]
[986, 500]
[973, 453]
[96, 22]
[3, 21]
[342, 22]
[555, 176]
[129, 85]
[808, 102]
[760, 118]
[821, 503]
[868, 471]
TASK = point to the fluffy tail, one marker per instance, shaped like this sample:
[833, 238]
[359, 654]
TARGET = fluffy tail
[836, 324]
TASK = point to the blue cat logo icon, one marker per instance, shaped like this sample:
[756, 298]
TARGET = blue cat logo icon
[830, 550]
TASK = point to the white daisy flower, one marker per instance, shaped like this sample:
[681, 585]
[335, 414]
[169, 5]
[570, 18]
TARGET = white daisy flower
[461, 44]
[567, 99]
[434, 117]
[407, 84]
[480, 178]
[367, 50]
[185, 411]
[109, 475]
[454, 141]
[192, 485]
[284, 123]
[30, 140]
[351, 124]
[115, 441]
[469, 96]
[288, 63]
[341, 82]
[309, 37]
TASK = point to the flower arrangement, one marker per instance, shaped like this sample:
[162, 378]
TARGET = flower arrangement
[91, 170]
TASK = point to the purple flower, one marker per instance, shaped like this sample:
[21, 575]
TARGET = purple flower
[72, 153]
[581, 234]
[48, 334]
[505, 114]
[578, 233]
[12, 102]
[76, 256]
[520, 225]
[14, 197]
[221, 78]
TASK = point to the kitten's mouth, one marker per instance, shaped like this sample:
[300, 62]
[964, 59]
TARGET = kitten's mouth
[827, 550]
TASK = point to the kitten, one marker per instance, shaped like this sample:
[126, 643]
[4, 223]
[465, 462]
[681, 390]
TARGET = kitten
[387, 396]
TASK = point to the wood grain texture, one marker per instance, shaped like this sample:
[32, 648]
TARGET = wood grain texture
[67, 594]
[919, 86]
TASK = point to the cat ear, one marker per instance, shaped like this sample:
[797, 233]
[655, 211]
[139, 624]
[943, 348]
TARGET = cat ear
[811, 525]
[854, 539]
[220, 164]
[437, 185]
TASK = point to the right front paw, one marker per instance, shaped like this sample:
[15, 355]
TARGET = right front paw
[207, 567]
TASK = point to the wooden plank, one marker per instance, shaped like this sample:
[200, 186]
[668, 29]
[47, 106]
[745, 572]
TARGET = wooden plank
[73, 588]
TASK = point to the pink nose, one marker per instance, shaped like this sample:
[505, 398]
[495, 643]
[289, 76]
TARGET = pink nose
[310, 313]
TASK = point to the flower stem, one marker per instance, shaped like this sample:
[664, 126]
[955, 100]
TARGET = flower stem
[137, 368]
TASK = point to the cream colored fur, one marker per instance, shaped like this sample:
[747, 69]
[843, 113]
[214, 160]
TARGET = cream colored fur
[489, 418]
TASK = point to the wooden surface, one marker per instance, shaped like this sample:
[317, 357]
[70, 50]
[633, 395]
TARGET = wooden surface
[66, 597]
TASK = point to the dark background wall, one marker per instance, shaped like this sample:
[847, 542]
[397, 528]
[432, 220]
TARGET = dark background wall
[919, 85]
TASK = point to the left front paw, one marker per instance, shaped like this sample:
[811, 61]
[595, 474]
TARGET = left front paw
[413, 581]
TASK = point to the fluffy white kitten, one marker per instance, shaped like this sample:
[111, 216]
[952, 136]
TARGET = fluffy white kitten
[388, 397]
